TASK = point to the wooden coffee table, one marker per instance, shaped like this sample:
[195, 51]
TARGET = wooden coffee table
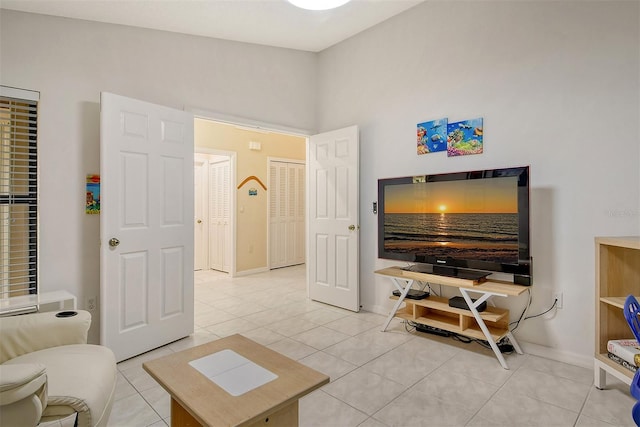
[198, 401]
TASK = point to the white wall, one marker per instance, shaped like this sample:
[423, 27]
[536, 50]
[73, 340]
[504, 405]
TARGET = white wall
[558, 86]
[71, 61]
[556, 82]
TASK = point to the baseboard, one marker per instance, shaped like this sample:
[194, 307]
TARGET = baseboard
[378, 309]
[250, 272]
[564, 356]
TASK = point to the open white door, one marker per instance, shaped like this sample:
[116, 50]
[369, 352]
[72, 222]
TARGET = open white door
[201, 226]
[146, 229]
[333, 260]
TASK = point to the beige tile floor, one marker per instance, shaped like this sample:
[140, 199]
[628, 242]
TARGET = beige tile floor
[395, 378]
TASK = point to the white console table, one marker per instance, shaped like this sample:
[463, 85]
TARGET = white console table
[57, 300]
[45, 301]
[435, 311]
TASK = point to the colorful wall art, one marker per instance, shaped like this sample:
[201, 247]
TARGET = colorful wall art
[432, 136]
[93, 194]
[464, 138]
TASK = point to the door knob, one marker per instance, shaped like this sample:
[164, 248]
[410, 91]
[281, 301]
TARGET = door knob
[353, 227]
[199, 221]
[113, 242]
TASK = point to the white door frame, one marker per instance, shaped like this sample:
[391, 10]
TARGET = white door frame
[232, 197]
[246, 123]
[270, 185]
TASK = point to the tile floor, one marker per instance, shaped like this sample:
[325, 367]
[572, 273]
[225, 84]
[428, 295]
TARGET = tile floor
[395, 378]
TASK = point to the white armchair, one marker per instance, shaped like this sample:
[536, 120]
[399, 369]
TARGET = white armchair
[49, 373]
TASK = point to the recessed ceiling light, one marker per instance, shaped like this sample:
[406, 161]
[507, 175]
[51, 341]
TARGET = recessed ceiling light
[318, 4]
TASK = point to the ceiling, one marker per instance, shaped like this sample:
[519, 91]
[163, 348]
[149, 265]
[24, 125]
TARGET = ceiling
[266, 22]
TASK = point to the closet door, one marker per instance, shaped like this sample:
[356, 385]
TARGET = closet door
[286, 214]
[219, 229]
[277, 214]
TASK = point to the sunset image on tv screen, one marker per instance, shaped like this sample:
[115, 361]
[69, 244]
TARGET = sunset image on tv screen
[467, 219]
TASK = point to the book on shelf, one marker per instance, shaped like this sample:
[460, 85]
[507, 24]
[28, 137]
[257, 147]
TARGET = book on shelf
[622, 362]
[627, 350]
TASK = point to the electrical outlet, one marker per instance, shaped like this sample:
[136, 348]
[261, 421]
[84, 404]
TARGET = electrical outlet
[558, 298]
[91, 303]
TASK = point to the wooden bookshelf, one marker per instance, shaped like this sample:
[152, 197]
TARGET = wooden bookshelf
[617, 276]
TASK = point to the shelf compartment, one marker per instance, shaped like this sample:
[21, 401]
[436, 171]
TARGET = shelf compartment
[612, 326]
[420, 312]
[405, 313]
[616, 301]
[491, 314]
[610, 363]
[474, 331]
[435, 312]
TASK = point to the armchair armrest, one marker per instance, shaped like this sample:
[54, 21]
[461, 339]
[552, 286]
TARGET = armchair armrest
[23, 393]
[20, 381]
[33, 332]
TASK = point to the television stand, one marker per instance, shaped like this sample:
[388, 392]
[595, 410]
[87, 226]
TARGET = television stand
[491, 325]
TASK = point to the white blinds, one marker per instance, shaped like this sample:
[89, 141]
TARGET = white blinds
[18, 199]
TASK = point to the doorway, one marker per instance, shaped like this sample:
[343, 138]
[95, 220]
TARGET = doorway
[331, 160]
[252, 188]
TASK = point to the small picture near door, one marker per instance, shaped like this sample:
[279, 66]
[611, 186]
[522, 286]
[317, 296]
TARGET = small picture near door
[92, 205]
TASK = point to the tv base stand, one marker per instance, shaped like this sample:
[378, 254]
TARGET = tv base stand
[491, 325]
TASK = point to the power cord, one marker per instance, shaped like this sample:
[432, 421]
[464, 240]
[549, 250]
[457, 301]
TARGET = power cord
[503, 344]
[521, 319]
[555, 302]
[409, 326]
[524, 311]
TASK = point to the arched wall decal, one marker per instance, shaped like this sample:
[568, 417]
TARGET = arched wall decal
[249, 178]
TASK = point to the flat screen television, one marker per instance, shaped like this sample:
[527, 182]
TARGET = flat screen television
[461, 224]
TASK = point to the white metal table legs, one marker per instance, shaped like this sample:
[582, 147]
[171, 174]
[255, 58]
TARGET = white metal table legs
[473, 306]
[403, 293]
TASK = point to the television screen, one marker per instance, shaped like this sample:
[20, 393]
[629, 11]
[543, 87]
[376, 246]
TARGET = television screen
[477, 219]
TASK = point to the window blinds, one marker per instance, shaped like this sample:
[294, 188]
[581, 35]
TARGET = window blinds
[18, 199]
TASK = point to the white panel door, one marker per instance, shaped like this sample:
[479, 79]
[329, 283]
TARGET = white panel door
[333, 218]
[219, 221]
[201, 226]
[146, 228]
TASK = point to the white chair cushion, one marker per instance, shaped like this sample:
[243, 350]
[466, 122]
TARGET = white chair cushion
[81, 378]
[19, 375]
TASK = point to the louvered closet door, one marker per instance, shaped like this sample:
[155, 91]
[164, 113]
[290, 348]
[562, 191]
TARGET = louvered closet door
[219, 229]
[277, 214]
[286, 214]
